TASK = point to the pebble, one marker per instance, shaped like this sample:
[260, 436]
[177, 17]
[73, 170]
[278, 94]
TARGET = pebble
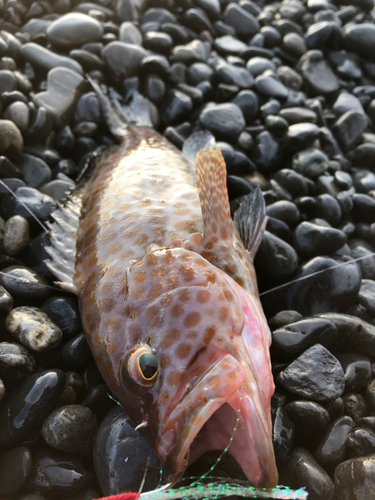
[357, 370]
[24, 284]
[55, 474]
[354, 479]
[318, 76]
[40, 205]
[223, 120]
[360, 38]
[58, 189]
[312, 239]
[270, 87]
[18, 113]
[294, 338]
[75, 353]
[123, 59]
[370, 396]
[63, 88]
[366, 295]
[44, 60]
[195, 51]
[355, 335]
[310, 162]
[33, 328]
[6, 300]
[233, 75]
[16, 235]
[228, 45]
[15, 466]
[64, 313]
[354, 406]
[242, 21]
[349, 128]
[70, 429]
[74, 30]
[360, 442]
[24, 411]
[129, 33]
[283, 435]
[35, 171]
[11, 141]
[276, 258]
[176, 106]
[302, 470]
[331, 450]
[16, 363]
[316, 374]
[302, 135]
[308, 415]
[120, 455]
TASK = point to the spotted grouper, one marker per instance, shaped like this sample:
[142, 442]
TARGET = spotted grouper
[168, 296]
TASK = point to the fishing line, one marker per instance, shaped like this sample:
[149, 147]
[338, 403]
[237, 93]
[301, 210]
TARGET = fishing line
[342, 264]
[28, 282]
[25, 206]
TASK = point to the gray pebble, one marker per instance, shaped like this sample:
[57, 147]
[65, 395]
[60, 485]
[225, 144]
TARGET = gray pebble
[129, 33]
[11, 141]
[73, 30]
[16, 235]
[36, 171]
[16, 363]
[18, 112]
[6, 300]
[33, 328]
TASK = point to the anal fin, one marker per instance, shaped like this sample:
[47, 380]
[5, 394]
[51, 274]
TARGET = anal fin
[251, 221]
[213, 195]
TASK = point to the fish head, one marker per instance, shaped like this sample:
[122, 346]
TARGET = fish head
[188, 377]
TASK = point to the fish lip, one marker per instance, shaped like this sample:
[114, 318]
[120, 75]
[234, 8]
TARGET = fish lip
[196, 409]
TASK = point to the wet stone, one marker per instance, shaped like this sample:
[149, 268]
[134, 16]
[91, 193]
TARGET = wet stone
[331, 450]
[123, 59]
[360, 442]
[258, 65]
[310, 162]
[364, 181]
[16, 363]
[303, 470]
[293, 339]
[276, 258]
[285, 211]
[233, 75]
[70, 428]
[307, 415]
[36, 172]
[318, 76]
[41, 205]
[176, 106]
[195, 51]
[62, 90]
[11, 141]
[302, 135]
[44, 60]
[121, 454]
[284, 318]
[357, 370]
[129, 33]
[223, 120]
[24, 284]
[6, 300]
[58, 189]
[354, 406]
[15, 466]
[64, 312]
[283, 435]
[18, 113]
[73, 30]
[55, 473]
[370, 396]
[76, 353]
[347, 102]
[270, 87]
[16, 235]
[366, 295]
[349, 128]
[33, 328]
[354, 479]
[242, 21]
[316, 375]
[24, 411]
[360, 38]
[247, 101]
[228, 45]
[311, 239]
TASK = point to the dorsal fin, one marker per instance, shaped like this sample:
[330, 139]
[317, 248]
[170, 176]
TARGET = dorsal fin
[251, 221]
[213, 195]
[63, 237]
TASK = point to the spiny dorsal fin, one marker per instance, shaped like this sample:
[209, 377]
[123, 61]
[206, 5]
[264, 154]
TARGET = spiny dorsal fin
[251, 221]
[213, 195]
[63, 237]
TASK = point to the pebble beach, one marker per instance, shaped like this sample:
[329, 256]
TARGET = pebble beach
[287, 89]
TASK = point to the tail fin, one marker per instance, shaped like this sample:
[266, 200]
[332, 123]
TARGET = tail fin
[119, 117]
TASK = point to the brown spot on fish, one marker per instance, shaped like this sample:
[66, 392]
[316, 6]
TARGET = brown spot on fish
[135, 332]
[170, 338]
[184, 295]
[166, 300]
[174, 378]
[137, 293]
[164, 397]
[223, 315]
[211, 276]
[203, 296]
[192, 319]
[155, 291]
[192, 334]
[142, 239]
[209, 334]
[183, 350]
[187, 273]
[164, 361]
[131, 311]
[112, 324]
[108, 304]
[228, 295]
[154, 318]
[123, 207]
[177, 310]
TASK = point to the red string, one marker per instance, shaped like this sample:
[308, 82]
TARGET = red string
[122, 496]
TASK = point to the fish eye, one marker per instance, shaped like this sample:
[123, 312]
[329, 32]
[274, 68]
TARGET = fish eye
[141, 366]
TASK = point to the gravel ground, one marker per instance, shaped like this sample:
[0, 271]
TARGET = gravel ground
[288, 90]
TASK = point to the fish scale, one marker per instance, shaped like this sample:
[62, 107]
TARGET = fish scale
[160, 268]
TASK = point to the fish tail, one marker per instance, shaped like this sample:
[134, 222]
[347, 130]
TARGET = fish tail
[119, 117]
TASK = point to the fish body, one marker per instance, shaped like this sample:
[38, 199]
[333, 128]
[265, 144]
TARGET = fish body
[169, 303]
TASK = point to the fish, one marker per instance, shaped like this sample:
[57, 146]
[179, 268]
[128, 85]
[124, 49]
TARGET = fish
[168, 294]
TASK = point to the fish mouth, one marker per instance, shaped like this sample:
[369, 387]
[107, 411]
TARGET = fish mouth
[205, 420]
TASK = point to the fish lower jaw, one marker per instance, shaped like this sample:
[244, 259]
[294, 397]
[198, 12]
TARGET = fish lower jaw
[227, 419]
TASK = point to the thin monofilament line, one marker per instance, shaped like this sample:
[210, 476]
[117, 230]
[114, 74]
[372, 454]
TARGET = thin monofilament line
[45, 229]
[342, 264]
